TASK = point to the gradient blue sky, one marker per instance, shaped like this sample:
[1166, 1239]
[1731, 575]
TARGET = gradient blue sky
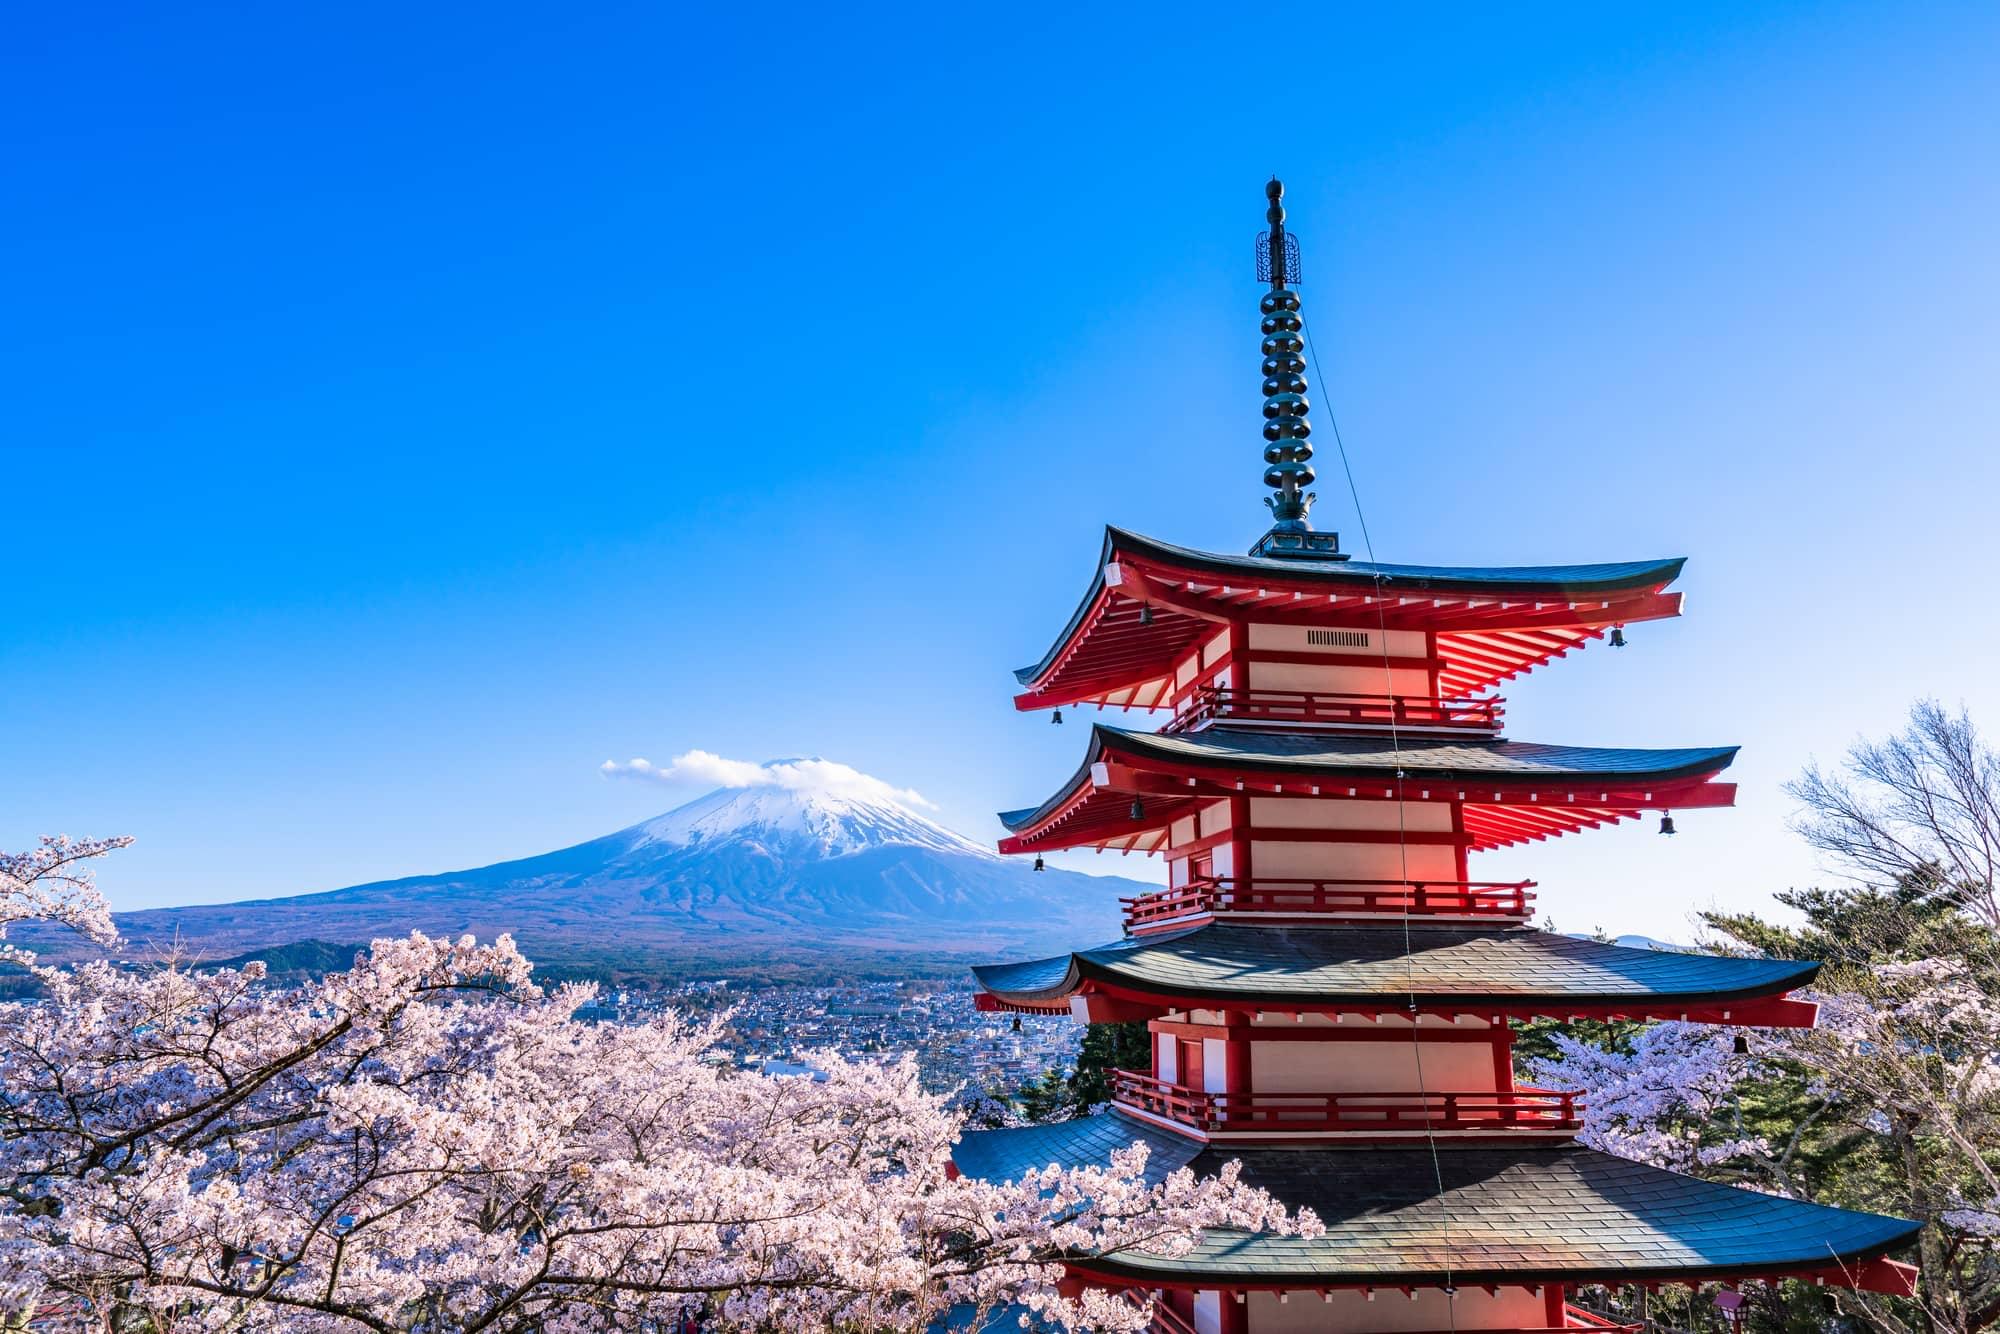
[408, 408]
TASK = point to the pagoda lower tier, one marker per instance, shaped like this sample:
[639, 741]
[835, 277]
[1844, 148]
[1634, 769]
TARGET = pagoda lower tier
[1357, 972]
[1458, 1236]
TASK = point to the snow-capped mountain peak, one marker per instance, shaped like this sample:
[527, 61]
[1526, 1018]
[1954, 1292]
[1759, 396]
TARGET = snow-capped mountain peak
[822, 822]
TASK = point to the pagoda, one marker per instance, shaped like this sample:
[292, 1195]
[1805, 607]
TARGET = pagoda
[1331, 995]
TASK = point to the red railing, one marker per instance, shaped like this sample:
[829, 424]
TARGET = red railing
[1524, 1109]
[1311, 709]
[1332, 898]
[1167, 1321]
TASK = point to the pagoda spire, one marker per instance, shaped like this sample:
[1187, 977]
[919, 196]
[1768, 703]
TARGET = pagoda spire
[1287, 433]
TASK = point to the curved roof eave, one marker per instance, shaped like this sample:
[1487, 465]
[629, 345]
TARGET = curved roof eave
[1604, 577]
[1336, 756]
[1387, 1222]
[1363, 964]
[1342, 756]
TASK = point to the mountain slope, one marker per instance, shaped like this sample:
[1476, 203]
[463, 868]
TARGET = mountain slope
[764, 869]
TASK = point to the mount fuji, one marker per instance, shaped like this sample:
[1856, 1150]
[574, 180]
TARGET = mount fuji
[769, 871]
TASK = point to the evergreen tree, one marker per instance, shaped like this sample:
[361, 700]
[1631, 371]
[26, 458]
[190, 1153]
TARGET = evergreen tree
[1107, 1047]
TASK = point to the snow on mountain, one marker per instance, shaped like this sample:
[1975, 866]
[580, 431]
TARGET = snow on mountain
[788, 859]
[827, 823]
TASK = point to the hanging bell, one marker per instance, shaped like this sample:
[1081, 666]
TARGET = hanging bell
[1138, 809]
[1618, 636]
[1039, 864]
[1145, 615]
[1742, 1045]
[1017, 1023]
[1056, 718]
[1667, 824]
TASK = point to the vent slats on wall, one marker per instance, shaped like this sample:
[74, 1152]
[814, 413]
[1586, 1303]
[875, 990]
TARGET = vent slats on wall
[1337, 638]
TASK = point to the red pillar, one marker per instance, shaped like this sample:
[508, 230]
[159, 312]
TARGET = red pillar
[1552, 1306]
[1503, 1056]
[1235, 1315]
[1239, 841]
[1236, 1052]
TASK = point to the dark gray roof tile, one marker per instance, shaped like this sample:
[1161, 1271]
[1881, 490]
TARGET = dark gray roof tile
[1594, 1216]
[1440, 965]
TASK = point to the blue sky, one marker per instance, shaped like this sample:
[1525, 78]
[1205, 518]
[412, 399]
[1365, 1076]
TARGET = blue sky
[410, 408]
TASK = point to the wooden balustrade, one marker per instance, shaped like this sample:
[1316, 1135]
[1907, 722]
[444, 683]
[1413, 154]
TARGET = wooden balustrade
[1165, 1320]
[1519, 1109]
[1332, 898]
[1307, 708]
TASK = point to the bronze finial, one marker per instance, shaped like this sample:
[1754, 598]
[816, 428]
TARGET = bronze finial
[1287, 449]
[1286, 430]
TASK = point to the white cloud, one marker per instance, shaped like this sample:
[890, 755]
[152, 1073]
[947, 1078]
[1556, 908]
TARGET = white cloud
[813, 775]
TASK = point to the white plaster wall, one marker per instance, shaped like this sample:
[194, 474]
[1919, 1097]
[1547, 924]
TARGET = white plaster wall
[1391, 1311]
[1370, 1067]
[1182, 831]
[1166, 1056]
[1341, 680]
[1350, 861]
[1214, 818]
[1214, 1073]
[1345, 813]
[1212, 651]
[1208, 1312]
[1222, 859]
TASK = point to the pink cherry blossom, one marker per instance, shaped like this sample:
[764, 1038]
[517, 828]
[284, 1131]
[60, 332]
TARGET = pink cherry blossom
[430, 1141]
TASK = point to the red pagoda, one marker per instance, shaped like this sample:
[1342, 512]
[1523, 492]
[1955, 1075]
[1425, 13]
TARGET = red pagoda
[1330, 993]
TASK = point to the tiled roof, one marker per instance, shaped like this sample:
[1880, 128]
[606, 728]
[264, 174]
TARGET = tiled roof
[1509, 1213]
[1327, 756]
[1419, 757]
[1438, 965]
[1601, 577]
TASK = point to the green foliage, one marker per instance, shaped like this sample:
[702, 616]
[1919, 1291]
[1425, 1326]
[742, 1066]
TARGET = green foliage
[1046, 1099]
[1055, 1096]
[1107, 1047]
[1857, 927]
[1893, 1138]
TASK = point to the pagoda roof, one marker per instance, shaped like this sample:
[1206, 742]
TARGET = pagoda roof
[1494, 621]
[1372, 967]
[1506, 1213]
[1513, 790]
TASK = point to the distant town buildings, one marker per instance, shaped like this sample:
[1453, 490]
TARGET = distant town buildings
[779, 1029]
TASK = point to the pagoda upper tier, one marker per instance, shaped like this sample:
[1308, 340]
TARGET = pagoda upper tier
[1159, 620]
[1134, 788]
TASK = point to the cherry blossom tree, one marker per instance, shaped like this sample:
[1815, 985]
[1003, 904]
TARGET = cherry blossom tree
[1665, 1096]
[429, 1141]
[53, 884]
[1892, 1102]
